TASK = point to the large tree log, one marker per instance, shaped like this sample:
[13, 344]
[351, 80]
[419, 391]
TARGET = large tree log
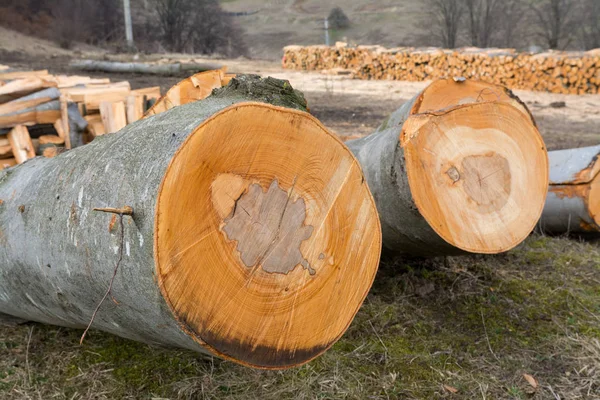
[459, 168]
[141, 68]
[573, 202]
[254, 235]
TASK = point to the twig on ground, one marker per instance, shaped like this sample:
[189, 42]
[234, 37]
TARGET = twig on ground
[487, 338]
[27, 356]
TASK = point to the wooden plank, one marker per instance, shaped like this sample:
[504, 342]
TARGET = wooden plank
[95, 126]
[29, 118]
[150, 92]
[16, 105]
[135, 108]
[19, 87]
[64, 81]
[58, 126]
[113, 116]
[21, 144]
[6, 151]
[64, 117]
[23, 74]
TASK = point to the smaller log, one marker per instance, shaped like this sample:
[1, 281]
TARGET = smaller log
[573, 202]
[459, 168]
[141, 68]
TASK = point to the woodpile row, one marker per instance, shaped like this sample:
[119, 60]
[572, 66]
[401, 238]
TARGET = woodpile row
[556, 72]
[43, 114]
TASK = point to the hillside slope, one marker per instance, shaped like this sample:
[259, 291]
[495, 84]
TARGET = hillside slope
[271, 25]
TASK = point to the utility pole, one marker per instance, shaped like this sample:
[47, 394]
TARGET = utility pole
[326, 31]
[128, 29]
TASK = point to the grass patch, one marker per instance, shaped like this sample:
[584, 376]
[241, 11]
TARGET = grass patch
[471, 324]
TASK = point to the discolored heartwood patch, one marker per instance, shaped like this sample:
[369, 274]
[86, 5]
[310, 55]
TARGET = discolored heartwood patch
[487, 180]
[269, 229]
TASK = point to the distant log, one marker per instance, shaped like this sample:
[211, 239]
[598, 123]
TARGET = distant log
[459, 168]
[573, 203]
[141, 68]
[258, 248]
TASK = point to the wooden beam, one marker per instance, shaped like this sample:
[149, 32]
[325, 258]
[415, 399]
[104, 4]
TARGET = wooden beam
[64, 117]
[135, 108]
[113, 116]
[23, 74]
[21, 144]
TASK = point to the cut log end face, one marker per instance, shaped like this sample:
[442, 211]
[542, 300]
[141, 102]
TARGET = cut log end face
[267, 238]
[481, 166]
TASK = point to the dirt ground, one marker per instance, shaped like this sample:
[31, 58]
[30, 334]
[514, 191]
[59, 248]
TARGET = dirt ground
[521, 325]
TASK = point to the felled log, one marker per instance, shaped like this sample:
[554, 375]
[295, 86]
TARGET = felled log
[141, 68]
[573, 202]
[459, 168]
[194, 88]
[257, 248]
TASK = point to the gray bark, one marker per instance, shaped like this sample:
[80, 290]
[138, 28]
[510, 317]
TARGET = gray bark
[58, 256]
[51, 93]
[403, 228]
[567, 210]
[141, 68]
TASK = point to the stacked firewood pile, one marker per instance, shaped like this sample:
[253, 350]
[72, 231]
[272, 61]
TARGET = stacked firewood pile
[556, 72]
[42, 114]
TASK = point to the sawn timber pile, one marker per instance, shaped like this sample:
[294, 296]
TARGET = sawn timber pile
[43, 114]
[556, 72]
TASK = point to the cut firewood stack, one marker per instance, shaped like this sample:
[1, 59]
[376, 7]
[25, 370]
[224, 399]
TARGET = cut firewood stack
[43, 114]
[556, 72]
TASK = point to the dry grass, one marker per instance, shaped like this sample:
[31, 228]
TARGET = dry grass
[474, 324]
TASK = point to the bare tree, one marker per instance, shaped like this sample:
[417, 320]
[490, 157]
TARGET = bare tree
[197, 25]
[445, 17]
[512, 14]
[484, 19]
[589, 30]
[555, 21]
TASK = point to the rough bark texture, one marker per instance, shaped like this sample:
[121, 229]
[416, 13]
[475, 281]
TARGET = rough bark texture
[58, 255]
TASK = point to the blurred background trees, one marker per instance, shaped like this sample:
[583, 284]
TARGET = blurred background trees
[201, 26]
